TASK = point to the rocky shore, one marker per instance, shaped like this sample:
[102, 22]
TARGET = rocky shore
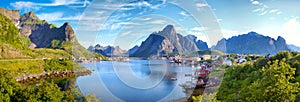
[53, 74]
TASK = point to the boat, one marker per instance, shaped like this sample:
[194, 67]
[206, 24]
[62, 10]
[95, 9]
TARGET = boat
[188, 75]
[171, 61]
[173, 79]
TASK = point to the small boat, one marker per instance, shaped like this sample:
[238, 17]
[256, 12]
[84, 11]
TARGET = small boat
[187, 74]
[173, 79]
[178, 61]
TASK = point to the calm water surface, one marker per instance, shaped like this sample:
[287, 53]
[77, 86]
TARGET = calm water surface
[134, 81]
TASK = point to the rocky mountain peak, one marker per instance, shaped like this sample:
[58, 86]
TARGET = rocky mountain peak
[69, 32]
[169, 30]
[252, 32]
[30, 16]
[279, 38]
[165, 42]
[67, 24]
[191, 37]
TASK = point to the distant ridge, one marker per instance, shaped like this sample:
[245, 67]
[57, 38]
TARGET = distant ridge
[252, 43]
[294, 48]
[108, 51]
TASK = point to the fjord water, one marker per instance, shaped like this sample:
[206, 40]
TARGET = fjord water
[134, 81]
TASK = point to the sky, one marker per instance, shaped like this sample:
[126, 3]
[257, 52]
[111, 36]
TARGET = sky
[127, 23]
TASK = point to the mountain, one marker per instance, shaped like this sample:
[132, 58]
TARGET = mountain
[252, 43]
[199, 43]
[44, 35]
[165, 42]
[133, 50]
[108, 51]
[294, 48]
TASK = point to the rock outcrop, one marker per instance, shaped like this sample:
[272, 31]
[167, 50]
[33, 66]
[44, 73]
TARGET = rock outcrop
[42, 34]
[13, 15]
[154, 45]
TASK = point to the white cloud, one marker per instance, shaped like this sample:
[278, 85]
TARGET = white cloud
[219, 20]
[263, 9]
[156, 22]
[196, 33]
[201, 5]
[273, 10]
[199, 29]
[255, 2]
[146, 19]
[143, 4]
[263, 13]
[292, 30]
[183, 13]
[26, 5]
[57, 16]
[23, 5]
[50, 16]
[127, 33]
[75, 3]
[291, 25]
[279, 12]
[256, 10]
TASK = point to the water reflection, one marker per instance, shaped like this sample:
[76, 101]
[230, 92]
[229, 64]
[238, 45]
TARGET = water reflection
[110, 87]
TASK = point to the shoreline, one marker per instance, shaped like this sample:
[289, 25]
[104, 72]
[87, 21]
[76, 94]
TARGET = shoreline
[53, 74]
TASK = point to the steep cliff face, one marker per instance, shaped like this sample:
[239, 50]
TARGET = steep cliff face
[182, 44]
[45, 35]
[199, 43]
[252, 43]
[42, 34]
[133, 50]
[154, 45]
[165, 42]
[280, 44]
[13, 15]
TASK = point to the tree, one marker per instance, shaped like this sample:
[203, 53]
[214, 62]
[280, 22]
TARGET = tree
[274, 85]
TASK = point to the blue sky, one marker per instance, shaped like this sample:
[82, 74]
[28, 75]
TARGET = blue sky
[128, 22]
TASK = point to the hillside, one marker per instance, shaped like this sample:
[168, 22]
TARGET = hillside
[41, 34]
[12, 43]
[275, 79]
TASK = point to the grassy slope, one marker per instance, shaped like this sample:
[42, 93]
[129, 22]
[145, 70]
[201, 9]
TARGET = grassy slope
[13, 47]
